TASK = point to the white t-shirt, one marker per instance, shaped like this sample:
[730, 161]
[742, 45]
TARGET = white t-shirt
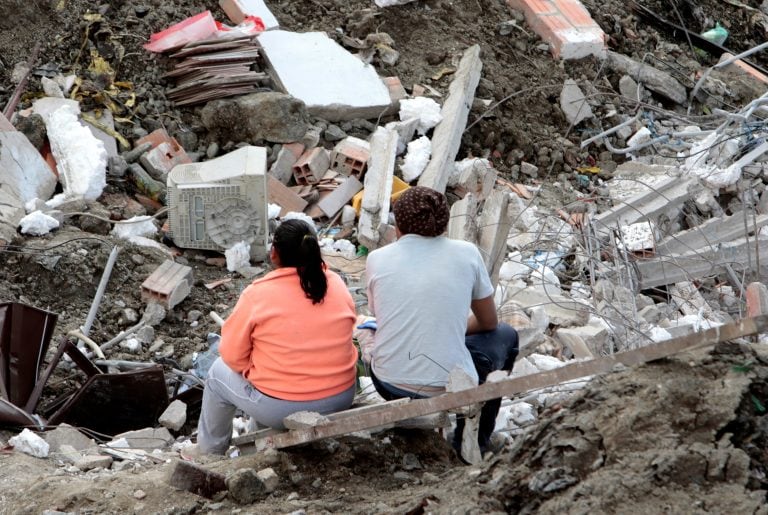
[420, 290]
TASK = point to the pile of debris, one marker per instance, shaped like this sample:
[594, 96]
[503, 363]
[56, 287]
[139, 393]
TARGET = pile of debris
[658, 237]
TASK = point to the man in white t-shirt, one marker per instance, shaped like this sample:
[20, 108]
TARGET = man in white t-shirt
[421, 289]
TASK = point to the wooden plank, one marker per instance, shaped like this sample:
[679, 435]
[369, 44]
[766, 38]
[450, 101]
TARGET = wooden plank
[518, 385]
[280, 194]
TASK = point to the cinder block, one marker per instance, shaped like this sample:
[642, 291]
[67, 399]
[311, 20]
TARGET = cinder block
[169, 284]
[396, 93]
[311, 166]
[350, 157]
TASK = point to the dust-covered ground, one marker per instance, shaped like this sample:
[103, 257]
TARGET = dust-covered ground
[682, 436]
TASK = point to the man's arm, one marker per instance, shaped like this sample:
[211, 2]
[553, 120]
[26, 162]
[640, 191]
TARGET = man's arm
[483, 317]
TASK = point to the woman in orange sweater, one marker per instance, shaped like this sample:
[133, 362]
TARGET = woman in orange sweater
[286, 347]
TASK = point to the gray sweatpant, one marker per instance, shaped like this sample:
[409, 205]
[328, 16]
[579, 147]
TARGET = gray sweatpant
[226, 391]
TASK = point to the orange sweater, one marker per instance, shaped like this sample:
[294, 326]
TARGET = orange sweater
[287, 347]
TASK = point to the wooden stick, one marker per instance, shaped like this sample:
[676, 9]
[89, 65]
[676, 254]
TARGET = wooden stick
[14, 101]
[509, 387]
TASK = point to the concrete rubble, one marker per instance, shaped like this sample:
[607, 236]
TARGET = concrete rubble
[638, 216]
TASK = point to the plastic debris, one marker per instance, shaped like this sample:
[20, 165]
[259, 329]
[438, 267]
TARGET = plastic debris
[38, 223]
[196, 28]
[425, 109]
[716, 35]
[29, 443]
[273, 211]
[416, 159]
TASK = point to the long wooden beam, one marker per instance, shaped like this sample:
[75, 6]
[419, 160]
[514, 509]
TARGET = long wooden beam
[518, 385]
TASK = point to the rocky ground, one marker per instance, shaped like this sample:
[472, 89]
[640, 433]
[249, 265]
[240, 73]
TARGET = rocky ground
[681, 435]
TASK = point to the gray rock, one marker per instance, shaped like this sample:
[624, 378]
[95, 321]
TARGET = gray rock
[146, 335]
[194, 315]
[334, 133]
[274, 117]
[68, 454]
[186, 139]
[147, 438]
[269, 479]
[529, 169]
[245, 486]
[174, 416]
[117, 166]
[65, 434]
[93, 462]
[574, 104]
[33, 127]
[92, 224]
[212, 150]
[628, 87]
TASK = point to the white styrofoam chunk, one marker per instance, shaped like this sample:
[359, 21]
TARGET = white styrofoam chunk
[30, 443]
[659, 334]
[238, 256]
[318, 71]
[423, 108]
[38, 223]
[295, 215]
[137, 226]
[544, 363]
[273, 211]
[81, 158]
[522, 414]
[417, 158]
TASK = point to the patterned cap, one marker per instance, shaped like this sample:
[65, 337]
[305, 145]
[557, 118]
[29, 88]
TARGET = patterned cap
[422, 211]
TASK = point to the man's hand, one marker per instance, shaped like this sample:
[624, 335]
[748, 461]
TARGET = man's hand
[483, 316]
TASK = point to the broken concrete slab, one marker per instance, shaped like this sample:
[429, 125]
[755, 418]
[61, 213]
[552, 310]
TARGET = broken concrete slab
[697, 264]
[655, 80]
[332, 204]
[333, 83]
[562, 311]
[462, 224]
[476, 176]
[446, 139]
[5, 125]
[665, 199]
[147, 438]
[494, 225]
[65, 434]
[585, 341]
[574, 104]
[711, 233]
[239, 10]
[405, 131]
[174, 416]
[304, 419]
[689, 300]
[282, 168]
[24, 170]
[104, 120]
[374, 209]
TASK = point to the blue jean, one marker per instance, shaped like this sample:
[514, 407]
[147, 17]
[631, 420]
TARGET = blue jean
[490, 350]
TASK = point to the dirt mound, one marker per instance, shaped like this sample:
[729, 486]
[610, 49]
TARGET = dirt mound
[679, 435]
